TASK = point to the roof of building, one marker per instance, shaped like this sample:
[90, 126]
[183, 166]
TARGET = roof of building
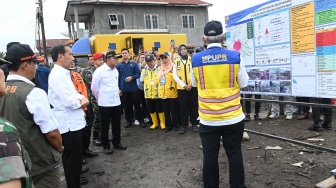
[52, 42]
[172, 2]
[85, 11]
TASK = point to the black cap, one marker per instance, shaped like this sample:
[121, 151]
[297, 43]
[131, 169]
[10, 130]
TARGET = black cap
[11, 44]
[165, 54]
[149, 57]
[199, 49]
[19, 53]
[2, 61]
[213, 28]
[112, 54]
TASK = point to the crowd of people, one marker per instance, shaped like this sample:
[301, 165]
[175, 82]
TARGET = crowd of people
[50, 115]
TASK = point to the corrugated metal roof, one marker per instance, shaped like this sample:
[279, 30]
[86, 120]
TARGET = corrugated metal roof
[173, 2]
[52, 42]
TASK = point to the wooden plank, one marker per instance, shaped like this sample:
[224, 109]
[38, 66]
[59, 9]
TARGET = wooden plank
[328, 183]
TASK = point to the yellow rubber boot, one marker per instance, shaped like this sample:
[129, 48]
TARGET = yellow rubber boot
[162, 120]
[154, 120]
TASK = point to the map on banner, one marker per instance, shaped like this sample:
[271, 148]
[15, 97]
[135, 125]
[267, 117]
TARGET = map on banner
[239, 39]
[287, 46]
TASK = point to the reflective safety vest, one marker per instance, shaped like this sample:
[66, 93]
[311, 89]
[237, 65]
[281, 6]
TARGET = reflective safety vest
[151, 83]
[79, 84]
[216, 71]
[167, 86]
[183, 71]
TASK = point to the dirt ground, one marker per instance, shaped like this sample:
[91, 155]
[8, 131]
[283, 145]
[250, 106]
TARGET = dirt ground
[155, 159]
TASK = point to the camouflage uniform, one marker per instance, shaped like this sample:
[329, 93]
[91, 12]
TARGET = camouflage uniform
[87, 77]
[14, 160]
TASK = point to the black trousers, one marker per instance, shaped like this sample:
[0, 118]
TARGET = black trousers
[188, 104]
[143, 103]
[170, 109]
[317, 112]
[110, 115]
[154, 105]
[305, 109]
[72, 157]
[129, 98]
[232, 136]
[248, 104]
[87, 129]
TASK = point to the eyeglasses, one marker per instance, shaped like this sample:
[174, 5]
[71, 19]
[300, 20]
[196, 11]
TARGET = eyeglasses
[142, 57]
[164, 57]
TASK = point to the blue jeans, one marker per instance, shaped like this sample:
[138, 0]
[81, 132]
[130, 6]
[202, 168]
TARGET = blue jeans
[232, 136]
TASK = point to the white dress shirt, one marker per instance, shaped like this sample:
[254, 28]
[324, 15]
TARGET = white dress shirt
[242, 79]
[38, 105]
[65, 100]
[105, 86]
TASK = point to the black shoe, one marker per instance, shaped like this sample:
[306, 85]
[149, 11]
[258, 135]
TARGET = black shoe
[175, 129]
[108, 151]
[90, 153]
[316, 127]
[256, 117]
[247, 118]
[129, 124]
[84, 169]
[120, 147]
[168, 130]
[195, 128]
[182, 130]
[84, 162]
[142, 125]
[97, 142]
[327, 125]
[83, 181]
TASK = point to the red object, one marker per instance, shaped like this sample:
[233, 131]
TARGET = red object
[325, 38]
[97, 56]
[333, 101]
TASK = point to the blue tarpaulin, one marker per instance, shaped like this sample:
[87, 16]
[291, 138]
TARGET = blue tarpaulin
[81, 47]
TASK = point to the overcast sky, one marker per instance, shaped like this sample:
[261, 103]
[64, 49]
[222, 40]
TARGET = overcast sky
[18, 18]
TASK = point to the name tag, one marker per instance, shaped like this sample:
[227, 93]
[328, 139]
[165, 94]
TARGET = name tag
[152, 82]
[163, 81]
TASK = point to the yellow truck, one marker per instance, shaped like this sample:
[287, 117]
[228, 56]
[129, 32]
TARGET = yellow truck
[133, 40]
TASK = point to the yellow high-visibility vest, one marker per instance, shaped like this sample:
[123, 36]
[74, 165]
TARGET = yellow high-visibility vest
[218, 91]
[183, 71]
[151, 83]
[167, 86]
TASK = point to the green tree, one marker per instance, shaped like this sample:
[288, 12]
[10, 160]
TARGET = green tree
[2, 55]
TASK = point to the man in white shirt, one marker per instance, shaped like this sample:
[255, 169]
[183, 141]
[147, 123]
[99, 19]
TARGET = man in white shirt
[105, 89]
[27, 107]
[68, 107]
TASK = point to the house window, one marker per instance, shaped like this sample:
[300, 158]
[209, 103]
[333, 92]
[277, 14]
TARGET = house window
[151, 21]
[116, 21]
[188, 21]
[121, 21]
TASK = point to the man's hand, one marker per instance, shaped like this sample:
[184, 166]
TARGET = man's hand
[84, 102]
[55, 139]
[2, 83]
[120, 93]
[128, 79]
